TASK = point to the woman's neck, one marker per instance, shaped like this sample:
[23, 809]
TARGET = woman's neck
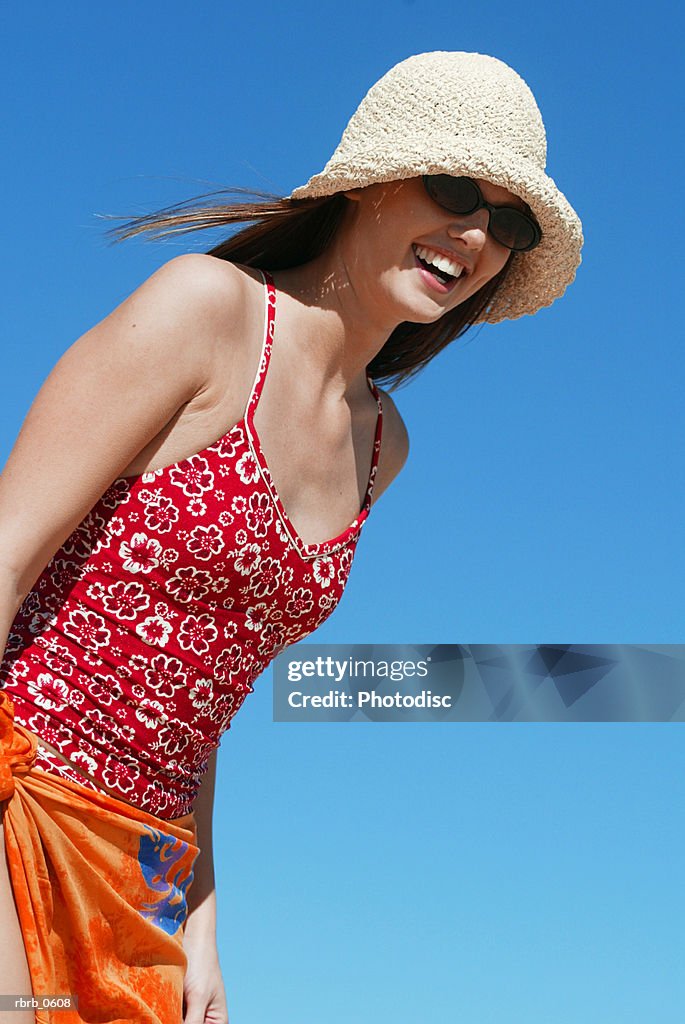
[339, 335]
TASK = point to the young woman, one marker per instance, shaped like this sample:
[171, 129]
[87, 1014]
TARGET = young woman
[186, 495]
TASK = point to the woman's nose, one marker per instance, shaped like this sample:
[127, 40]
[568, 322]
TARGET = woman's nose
[471, 228]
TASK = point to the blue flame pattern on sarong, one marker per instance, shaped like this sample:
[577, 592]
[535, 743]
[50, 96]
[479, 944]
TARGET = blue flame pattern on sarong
[164, 864]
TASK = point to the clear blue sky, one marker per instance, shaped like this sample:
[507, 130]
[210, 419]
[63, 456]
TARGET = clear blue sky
[471, 873]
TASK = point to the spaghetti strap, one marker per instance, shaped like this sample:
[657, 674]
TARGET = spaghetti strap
[267, 345]
[376, 442]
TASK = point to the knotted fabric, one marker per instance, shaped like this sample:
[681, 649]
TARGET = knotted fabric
[100, 888]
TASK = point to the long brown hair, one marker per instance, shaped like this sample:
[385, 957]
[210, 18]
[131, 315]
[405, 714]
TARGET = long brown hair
[284, 233]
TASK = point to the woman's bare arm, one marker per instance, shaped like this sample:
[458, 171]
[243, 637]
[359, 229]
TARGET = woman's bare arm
[203, 985]
[202, 893]
[108, 396]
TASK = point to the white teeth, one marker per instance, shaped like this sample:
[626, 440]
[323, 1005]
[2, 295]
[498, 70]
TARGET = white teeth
[439, 261]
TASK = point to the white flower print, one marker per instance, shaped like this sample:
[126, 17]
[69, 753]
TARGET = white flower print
[165, 675]
[83, 761]
[19, 668]
[324, 571]
[327, 602]
[169, 558]
[125, 600]
[227, 445]
[201, 755]
[121, 774]
[160, 514]
[117, 494]
[239, 504]
[248, 559]
[49, 691]
[260, 514]
[79, 542]
[142, 554]
[189, 583]
[197, 507]
[201, 693]
[41, 621]
[54, 733]
[104, 689]
[116, 526]
[59, 659]
[248, 468]
[301, 603]
[195, 476]
[126, 730]
[31, 604]
[271, 639]
[103, 729]
[154, 631]
[197, 632]
[256, 617]
[344, 566]
[225, 518]
[223, 709]
[155, 797]
[149, 478]
[205, 541]
[171, 739]
[88, 629]
[164, 611]
[103, 541]
[266, 577]
[92, 659]
[281, 530]
[63, 572]
[229, 661]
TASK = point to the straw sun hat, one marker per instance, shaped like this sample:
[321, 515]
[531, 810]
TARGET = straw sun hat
[463, 114]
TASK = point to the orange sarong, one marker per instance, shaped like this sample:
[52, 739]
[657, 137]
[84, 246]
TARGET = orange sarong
[100, 888]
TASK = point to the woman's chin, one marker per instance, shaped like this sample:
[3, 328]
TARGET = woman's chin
[426, 312]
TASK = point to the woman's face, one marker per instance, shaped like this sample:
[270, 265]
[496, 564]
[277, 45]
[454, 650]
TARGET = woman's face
[395, 229]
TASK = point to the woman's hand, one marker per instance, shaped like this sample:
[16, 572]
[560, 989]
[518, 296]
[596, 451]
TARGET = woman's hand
[204, 996]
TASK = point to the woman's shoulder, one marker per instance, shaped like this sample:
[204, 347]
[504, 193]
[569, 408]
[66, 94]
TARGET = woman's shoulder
[219, 302]
[208, 278]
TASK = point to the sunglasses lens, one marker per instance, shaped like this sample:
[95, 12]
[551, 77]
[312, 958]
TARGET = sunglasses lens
[510, 227]
[513, 229]
[459, 195]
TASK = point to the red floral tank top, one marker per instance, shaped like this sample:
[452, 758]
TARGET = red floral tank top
[147, 629]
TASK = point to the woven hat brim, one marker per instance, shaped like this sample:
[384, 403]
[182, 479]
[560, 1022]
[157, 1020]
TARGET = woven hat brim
[535, 278]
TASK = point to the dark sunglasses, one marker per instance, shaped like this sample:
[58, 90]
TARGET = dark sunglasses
[507, 225]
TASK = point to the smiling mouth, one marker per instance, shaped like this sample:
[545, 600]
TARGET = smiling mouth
[444, 271]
